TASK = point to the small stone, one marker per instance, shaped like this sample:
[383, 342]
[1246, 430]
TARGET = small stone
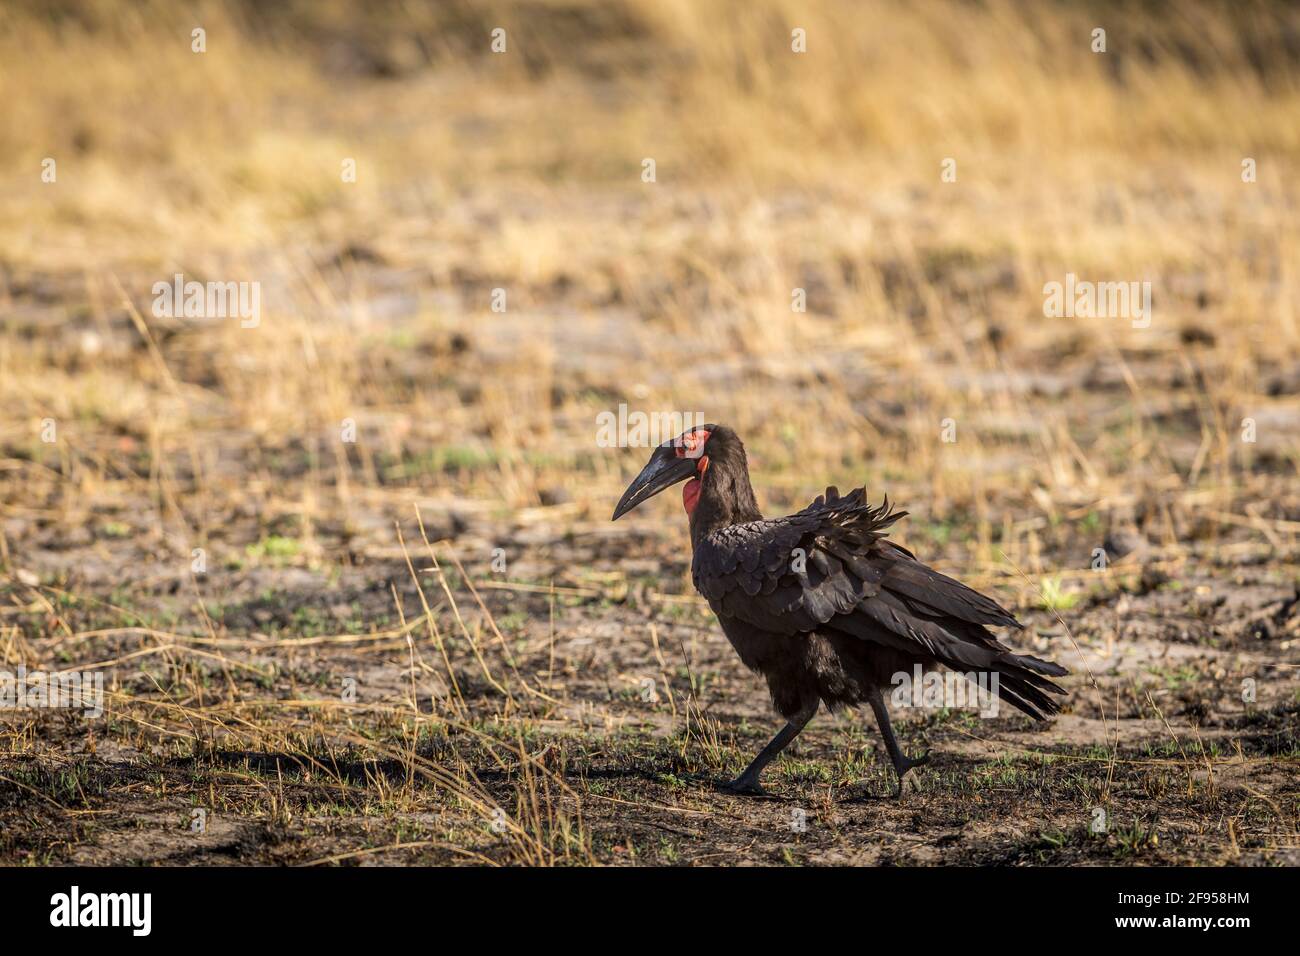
[1125, 541]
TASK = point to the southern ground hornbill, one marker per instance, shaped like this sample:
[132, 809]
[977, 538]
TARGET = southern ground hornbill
[821, 603]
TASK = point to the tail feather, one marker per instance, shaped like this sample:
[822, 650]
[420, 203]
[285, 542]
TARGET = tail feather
[1020, 683]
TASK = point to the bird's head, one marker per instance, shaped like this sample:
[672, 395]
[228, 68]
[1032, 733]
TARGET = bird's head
[685, 457]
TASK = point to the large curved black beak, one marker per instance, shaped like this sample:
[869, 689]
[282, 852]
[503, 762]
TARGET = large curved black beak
[663, 470]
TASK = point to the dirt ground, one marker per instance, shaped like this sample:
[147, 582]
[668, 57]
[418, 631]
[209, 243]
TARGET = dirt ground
[349, 575]
[599, 711]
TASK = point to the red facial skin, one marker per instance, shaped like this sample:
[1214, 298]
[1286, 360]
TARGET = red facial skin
[691, 495]
[693, 445]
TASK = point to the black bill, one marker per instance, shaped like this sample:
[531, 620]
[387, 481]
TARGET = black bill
[662, 471]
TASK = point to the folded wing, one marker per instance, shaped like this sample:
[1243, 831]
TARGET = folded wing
[830, 568]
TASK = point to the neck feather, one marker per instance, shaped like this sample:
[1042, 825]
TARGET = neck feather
[726, 497]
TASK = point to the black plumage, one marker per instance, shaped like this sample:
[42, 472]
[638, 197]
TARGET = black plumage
[822, 604]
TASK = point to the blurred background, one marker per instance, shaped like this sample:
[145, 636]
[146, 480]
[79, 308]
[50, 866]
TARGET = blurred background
[523, 171]
[924, 365]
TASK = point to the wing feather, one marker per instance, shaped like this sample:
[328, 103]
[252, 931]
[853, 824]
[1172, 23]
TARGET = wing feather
[855, 582]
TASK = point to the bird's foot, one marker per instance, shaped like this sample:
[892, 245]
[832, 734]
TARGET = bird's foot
[743, 786]
[905, 764]
[909, 762]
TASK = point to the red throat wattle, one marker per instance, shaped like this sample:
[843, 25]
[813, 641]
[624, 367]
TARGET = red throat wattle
[691, 495]
[691, 490]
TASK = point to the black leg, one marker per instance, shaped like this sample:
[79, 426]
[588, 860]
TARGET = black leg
[747, 783]
[902, 763]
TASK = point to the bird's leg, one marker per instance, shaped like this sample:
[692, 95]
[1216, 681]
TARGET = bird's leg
[747, 783]
[902, 763]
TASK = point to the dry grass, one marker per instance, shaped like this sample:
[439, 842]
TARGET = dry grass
[522, 172]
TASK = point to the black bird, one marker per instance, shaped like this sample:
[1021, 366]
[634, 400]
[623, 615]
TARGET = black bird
[822, 604]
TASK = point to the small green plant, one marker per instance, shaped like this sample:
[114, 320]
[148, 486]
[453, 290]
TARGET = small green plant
[1133, 840]
[1052, 595]
[274, 549]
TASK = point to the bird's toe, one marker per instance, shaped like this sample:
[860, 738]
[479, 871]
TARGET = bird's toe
[742, 787]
